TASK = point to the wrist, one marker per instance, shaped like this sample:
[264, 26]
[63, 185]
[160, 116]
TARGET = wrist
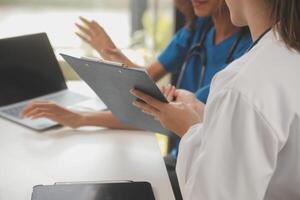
[182, 130]
[82, 119]
[188, 126]
[200, 110]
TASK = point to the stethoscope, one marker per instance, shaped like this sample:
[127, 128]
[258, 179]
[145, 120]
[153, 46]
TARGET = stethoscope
[259, 39]
[199, 50]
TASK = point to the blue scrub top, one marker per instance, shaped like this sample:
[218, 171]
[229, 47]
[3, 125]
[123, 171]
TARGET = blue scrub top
[174, 56]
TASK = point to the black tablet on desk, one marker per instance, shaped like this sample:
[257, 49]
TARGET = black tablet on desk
[112, 82]
[94, 191]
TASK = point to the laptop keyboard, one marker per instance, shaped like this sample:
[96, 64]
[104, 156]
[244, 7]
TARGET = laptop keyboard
[14, 111]
[65, 99]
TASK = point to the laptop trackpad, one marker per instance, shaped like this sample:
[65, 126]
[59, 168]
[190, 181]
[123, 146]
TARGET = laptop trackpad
[39, 124]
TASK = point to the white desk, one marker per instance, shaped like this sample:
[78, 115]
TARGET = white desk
[28, 158]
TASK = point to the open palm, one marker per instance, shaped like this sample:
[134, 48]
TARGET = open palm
[95, 35]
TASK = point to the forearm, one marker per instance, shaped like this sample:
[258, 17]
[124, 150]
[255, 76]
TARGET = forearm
[104, 119]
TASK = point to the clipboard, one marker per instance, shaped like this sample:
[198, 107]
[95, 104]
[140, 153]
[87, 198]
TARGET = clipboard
[122, 190]
[112, 83]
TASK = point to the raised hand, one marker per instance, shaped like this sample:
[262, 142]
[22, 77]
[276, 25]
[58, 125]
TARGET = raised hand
[94, 34]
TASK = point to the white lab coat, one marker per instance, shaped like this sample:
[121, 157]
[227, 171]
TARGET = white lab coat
[248, 146]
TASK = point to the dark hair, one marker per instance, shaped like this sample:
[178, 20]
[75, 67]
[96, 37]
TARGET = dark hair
[186, 8]
[286, 17]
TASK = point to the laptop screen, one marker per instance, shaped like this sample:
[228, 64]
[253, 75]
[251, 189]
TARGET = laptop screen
[28, 69]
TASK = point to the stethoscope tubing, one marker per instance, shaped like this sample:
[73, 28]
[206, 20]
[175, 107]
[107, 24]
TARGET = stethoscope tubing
[203, 65]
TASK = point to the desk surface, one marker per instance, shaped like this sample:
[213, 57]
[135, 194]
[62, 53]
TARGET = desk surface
[29, 158]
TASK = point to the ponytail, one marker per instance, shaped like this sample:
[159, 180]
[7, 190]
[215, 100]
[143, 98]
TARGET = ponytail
[286, 17]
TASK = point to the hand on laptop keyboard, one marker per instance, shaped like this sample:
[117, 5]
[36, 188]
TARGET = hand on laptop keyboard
[50, 110]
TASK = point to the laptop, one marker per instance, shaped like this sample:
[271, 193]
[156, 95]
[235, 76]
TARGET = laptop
[29, 70]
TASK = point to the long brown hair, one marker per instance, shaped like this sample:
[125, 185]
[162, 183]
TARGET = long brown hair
[286, 17]
[186, 8]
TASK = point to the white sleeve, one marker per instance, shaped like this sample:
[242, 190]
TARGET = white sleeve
[235, 155]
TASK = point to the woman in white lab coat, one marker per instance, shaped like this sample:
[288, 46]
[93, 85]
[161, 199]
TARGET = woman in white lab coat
[248, 144]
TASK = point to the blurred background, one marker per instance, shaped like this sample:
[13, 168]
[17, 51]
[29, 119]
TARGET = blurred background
[141, 28]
